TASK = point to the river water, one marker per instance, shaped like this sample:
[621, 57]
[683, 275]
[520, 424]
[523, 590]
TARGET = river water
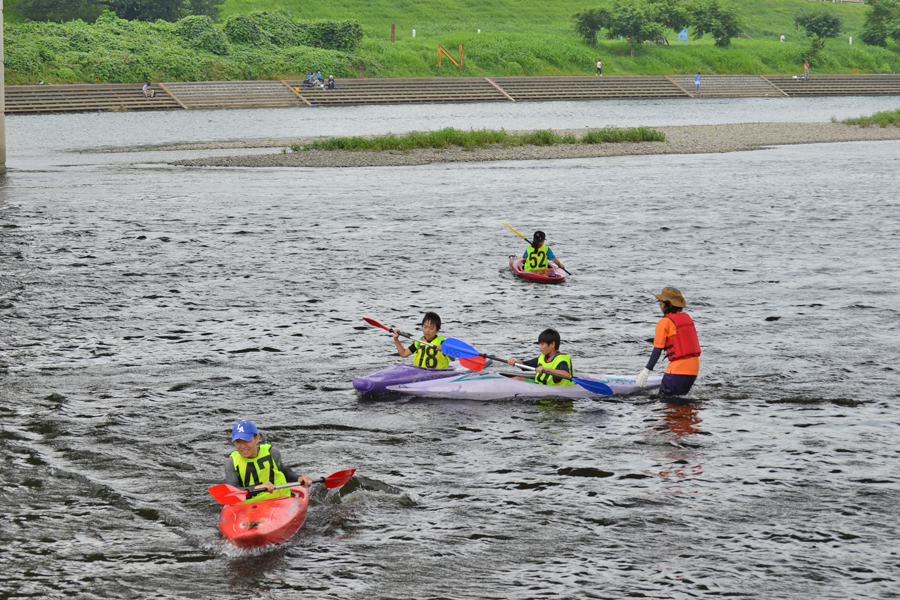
[146, 308]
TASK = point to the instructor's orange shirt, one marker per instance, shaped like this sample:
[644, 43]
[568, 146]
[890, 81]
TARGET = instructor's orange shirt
[665, 331]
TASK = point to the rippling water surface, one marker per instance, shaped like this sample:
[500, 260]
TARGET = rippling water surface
[147, 308]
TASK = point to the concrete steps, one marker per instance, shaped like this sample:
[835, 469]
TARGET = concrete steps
[25, 99]
[234, 94]
[422, 90]
[588, 88]
[838, 85]
[429, 90]
[728, 86]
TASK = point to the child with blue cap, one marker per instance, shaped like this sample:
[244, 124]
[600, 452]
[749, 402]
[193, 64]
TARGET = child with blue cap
[257, 467]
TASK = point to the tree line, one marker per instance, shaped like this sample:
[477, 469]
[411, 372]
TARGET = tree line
[641, 21]
[131, 10]
[882, 22]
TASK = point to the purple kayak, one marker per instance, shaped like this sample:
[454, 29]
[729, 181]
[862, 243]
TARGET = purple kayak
[377, 382]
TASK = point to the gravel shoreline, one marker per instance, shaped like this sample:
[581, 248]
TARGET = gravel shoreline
[691, 139]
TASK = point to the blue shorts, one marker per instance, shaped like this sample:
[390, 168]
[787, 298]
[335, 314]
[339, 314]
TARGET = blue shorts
[676, 385]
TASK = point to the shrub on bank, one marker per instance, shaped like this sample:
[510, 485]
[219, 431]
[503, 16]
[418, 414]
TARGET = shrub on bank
[114, 50]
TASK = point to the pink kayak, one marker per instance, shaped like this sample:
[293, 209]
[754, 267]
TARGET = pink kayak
[551, 275]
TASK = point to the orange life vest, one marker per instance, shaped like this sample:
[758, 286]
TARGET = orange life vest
[685, 343]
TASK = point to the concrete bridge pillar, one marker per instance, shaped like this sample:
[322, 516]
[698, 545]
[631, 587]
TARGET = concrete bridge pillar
[2, 101]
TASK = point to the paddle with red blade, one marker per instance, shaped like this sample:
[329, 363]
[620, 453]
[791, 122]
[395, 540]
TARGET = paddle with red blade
[460, 350]
[475, 363]
[229, 494]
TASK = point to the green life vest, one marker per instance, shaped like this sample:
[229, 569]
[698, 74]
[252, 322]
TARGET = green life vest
[428, 356]
[547, 378]
[537, 259]
[254, 471]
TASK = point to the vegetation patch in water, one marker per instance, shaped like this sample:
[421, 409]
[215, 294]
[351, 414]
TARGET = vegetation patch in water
[882, 119]
[456, 138]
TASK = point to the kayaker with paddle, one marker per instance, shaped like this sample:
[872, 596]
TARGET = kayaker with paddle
[538, 254]
[677, 336]
[426, 355]
[257, 467]
[550, 362]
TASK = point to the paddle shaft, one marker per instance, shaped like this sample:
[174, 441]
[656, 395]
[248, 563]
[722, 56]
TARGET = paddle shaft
[406, 335]
[476, 363]
[295, 484]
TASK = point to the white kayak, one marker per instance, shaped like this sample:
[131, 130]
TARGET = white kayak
[494, 386]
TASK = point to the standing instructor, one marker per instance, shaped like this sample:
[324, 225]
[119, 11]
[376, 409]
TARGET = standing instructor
[677, 336]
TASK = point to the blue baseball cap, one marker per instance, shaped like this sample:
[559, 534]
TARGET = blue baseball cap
[243, 430]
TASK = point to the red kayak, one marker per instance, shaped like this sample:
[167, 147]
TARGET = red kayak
[551, 275]
[258, 524]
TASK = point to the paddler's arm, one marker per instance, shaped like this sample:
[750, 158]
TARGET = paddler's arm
[289, 473]
[563, 372]
[403, 352]
[558, 263]
[528, 363]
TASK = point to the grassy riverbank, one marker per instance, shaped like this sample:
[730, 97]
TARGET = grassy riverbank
[518, 37]
[455, 138]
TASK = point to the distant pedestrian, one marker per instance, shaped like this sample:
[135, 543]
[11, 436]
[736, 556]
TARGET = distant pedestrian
[805, 70]
[697, 82]
[599, 68]
[148, 91]
[782, 37]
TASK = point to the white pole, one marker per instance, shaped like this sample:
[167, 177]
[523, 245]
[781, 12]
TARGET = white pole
[2, 101]
[414, 33]
[851, 40]
[479, 31]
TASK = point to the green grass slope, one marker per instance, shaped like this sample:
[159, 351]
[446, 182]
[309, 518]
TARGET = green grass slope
[429, 17]
[527, 37]
[518, 37]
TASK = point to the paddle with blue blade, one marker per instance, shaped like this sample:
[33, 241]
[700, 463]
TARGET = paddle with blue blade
[474, 362]
[229, 494]
[457, 349]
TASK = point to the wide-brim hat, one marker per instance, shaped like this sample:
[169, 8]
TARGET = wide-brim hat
[673, 296]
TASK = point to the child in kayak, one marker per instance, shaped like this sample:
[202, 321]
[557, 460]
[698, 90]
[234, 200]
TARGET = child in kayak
[550, 362]
[424, 355]
[677, 336]
[257, 468]
[537, 254]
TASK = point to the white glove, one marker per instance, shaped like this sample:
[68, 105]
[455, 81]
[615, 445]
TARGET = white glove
[642, 377]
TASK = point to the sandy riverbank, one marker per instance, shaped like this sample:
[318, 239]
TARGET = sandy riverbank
[692, 139]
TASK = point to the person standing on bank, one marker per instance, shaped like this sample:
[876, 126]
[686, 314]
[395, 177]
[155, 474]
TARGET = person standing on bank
[599, 68]
[805, 70]
[677, 336]
[697, 82]
[537, 254]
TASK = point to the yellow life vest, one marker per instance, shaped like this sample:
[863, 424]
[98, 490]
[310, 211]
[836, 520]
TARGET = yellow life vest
[254, 471]
[547, 378]
[536, 259]
[428, 356]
